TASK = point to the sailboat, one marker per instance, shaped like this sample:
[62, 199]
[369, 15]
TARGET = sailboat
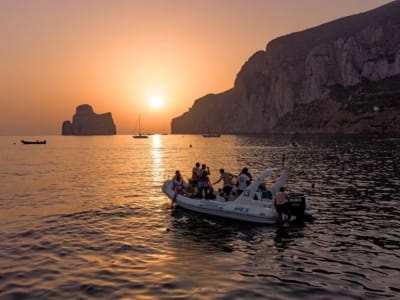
[140, 135]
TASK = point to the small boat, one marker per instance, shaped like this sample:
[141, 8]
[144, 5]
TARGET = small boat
[211, 135]
[140, 135]
[33, 142]
[252, 205]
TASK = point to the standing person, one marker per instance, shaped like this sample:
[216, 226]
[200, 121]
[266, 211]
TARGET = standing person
[281, 203]
[226, 178]
[246, 171]
[204, 180]
[243, 180]
[204, 170]
[196, 173]
[178, 184]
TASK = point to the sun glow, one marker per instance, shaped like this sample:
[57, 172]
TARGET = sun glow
[156, 102]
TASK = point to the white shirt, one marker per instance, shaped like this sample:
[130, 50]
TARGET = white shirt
[242, 181]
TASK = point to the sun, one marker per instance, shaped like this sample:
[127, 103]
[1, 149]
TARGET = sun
[156, 102]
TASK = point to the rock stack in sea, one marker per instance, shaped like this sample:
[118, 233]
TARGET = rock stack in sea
[342, 76]
[87, 122]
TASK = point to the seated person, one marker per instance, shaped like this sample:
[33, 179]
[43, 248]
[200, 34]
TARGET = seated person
[265, 193]
[178, 185]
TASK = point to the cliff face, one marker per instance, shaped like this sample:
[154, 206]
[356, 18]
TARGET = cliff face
[327, 70]
[87, 122]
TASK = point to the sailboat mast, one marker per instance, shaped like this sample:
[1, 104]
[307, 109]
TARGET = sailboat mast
[140, 135]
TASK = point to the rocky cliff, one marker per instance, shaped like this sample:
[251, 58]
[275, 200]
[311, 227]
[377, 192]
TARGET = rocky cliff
[342, 76]
[87, 122]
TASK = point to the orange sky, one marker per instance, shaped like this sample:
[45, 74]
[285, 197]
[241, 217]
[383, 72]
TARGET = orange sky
[116, 55]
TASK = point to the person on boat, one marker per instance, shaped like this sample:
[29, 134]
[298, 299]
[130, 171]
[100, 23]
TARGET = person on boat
[246, 171]
[203, 172]
[204, 184]
[243, 180]
[178, 184]
[265, 193]
[281, 205]
[226, 178]
[196, 173]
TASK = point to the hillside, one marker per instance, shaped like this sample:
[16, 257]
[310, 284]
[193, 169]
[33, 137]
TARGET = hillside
[342, 76]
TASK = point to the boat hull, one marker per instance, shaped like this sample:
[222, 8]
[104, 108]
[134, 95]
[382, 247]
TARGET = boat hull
[263, 213]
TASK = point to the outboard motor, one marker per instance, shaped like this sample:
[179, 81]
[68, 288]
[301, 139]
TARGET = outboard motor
[297, 205]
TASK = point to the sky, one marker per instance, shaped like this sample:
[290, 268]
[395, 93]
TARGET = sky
[153, 57]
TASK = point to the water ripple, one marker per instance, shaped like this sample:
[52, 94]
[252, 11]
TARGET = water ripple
[87, 219]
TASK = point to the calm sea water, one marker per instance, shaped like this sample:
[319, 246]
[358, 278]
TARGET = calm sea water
[85, 218]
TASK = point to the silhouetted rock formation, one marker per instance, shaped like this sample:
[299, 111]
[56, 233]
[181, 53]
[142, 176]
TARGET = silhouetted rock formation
[67, 128]
[342, 76]
[87, 122]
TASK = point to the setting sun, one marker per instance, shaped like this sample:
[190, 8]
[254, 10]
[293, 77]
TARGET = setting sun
[156, 102]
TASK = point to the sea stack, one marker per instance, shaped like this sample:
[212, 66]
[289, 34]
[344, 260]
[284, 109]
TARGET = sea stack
[87, 122]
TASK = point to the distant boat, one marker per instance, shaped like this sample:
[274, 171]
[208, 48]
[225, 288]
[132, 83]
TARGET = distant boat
[140, 135]
[33, 142]
[209, 135]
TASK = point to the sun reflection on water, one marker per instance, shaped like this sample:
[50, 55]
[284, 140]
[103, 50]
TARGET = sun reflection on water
[157, 159]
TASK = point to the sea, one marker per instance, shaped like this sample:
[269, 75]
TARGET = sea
[84, 217]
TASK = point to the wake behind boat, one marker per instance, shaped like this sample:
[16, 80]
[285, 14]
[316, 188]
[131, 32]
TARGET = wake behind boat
[33, 142]
[252, 205]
